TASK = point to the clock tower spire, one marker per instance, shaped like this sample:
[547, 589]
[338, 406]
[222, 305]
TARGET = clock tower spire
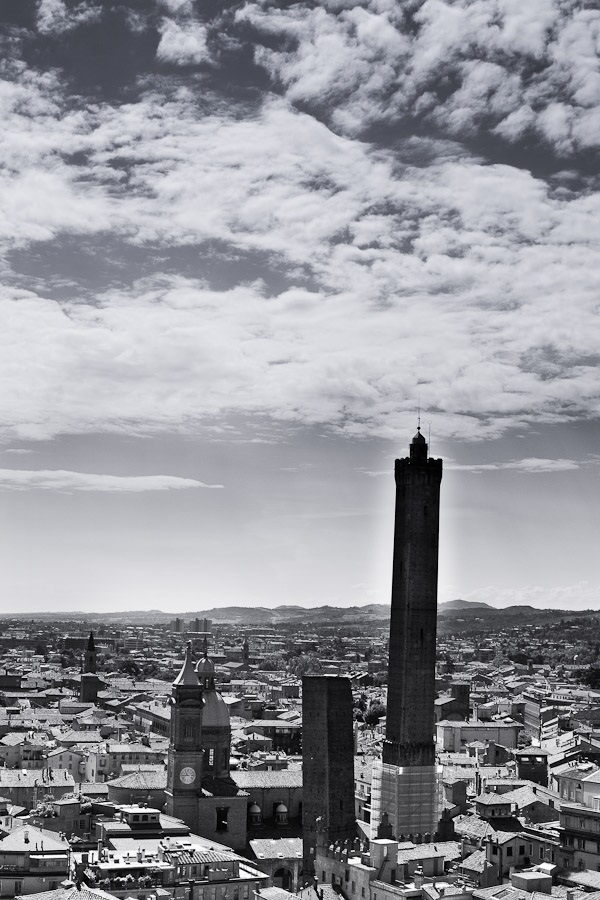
[184, 772]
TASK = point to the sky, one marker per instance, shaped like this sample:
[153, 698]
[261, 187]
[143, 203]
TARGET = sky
[241, 244]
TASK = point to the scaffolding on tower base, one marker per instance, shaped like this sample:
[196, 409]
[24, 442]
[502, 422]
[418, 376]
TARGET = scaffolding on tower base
[411, 796]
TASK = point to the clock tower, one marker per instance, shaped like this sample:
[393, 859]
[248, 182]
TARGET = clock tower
[184, 773]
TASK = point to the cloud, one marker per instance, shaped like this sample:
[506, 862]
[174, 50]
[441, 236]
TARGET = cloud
[363, 274]
[468, 66]
[529, 465]
[182, 44]
[60, 480]
[54, 17]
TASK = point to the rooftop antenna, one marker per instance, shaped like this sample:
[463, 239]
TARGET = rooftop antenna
[419, 411]
[429, 438]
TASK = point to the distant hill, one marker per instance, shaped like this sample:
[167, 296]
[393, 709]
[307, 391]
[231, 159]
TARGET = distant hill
[464, 604]
[454, 616]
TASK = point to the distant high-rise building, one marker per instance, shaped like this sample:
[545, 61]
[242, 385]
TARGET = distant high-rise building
[405, 785]
[198, 626]
[328, 811]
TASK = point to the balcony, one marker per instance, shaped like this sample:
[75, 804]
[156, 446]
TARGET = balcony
[140, 888]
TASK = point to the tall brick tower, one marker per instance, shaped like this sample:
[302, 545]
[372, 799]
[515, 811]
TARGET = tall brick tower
[89, 663]
[405, 786]
[327, 764]
[411, 671]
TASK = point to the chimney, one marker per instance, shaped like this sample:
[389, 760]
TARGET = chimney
[418, 877]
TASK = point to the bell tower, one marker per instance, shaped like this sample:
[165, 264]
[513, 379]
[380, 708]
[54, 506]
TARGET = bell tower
[184, 771]
[90, 683]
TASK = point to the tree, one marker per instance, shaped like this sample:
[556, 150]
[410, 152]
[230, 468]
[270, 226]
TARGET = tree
[307, 664]
[273, 663]
[590, 676]
[129, 667]
[374, 713]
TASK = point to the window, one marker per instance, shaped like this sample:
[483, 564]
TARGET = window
[494, 851]
[509, 851]
[353, 887]
[362, 892]
[222, 818]
[211, 757]
[521, 849]
[541, 852]
[346, 875]
[323, 875]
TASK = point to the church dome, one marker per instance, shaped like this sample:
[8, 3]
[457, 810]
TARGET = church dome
[281, 808]
[205, 668]
[214, 712]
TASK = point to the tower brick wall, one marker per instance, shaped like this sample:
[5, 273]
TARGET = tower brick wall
[328, 812]
[411, 672]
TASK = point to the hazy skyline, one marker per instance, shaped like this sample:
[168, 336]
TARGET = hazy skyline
[240, 243]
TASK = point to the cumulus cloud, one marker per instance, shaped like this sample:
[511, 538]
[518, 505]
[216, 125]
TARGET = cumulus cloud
[468, 66]
[182, 43]
[60, 480]
[54, 18]
[449, 273]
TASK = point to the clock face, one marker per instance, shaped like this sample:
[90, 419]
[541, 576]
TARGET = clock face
[187, 775]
